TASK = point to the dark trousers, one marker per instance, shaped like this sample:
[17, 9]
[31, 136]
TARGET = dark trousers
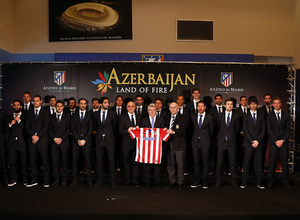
[40, 149]
[3, 160]
[129, 161]
[86, 151]
[201, 153]
[15, 152]
[213, 155]
[231, 151]
[250, 154]
[173, 158]
[101, 148]
[273, 149]
[60, 155]
[147, 173]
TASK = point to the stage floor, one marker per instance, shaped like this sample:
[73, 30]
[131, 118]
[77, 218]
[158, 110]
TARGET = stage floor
[78, 202]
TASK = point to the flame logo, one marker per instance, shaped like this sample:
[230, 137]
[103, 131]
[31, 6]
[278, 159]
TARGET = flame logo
[102, 82]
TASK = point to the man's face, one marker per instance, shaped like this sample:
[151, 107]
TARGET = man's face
[139, 101]
[82, 105]
[152, 111]
[173, 108]
[218, 100]
[119, 101]
[253, 106]
[37, 102]
[26, 98]
[243, 102]
[72, 104]
[130, 107]
[105, 104]
[17, 107]
[59, 108]
[196, 95]
[229, 106]
[158, 104]
[180, 101]
[52, 102]
[268, 100]
[277, 105]
[95, 104]
[201, 108]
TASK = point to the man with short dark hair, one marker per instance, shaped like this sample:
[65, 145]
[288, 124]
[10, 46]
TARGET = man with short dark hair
[160, 111]
[278, 127]
[140, 108]
[192, 106]
[51, 108]
[105, 125]
[37, 124]
[72, 105]
[27, 105]
[95, 105]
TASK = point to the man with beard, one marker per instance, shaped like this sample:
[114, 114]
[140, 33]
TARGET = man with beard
[16, 144]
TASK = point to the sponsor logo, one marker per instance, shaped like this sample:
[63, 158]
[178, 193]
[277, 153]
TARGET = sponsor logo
[59, 77]
[153, 58]
[149, 138]
[101, 83]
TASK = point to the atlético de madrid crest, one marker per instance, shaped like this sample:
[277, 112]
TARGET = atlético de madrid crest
[226, 78]
[59, 77]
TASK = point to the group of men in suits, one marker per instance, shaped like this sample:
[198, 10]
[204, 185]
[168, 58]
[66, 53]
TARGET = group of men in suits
[211, 137]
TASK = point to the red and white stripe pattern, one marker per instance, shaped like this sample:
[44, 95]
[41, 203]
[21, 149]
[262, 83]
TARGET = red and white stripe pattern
[148, 144]
[226, 79]
[59, 77]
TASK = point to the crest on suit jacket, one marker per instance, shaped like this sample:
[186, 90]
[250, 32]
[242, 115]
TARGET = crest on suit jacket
[59, 77]
[226, 78]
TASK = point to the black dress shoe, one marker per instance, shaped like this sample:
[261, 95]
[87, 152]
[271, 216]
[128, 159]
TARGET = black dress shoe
[90, 184]
[135, 184]
[270, 185]
[64, 183]
[218, 185]
[234, 185]
[171, 185]
[55, 183]
[125, 185]
[113, 184]
[158, 185]
[98, 183]
[147, 186]
[287, 185]
[180, 186]
[74, 183]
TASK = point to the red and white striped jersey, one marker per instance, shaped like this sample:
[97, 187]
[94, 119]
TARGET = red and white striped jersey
[148, 144]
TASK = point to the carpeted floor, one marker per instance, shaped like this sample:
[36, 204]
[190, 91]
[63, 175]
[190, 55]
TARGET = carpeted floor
[83, 202]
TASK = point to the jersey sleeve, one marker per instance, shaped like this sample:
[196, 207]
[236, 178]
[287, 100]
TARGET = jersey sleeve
[164, 135]
[134, 133]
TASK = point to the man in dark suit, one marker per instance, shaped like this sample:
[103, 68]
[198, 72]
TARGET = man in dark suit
[176, 145]
[181, 108]
[119, 106]
[214, 111]
[265, 110]
[51, 107]
[204, 129]
[36, 126]
[228, 128]
[152, 121]
[16, 143]
[27, 104]
[127, 122]
[95, 105]
[81, 128]
[241, 110]
[59, 132]
[105, 125]
[254, 129]
[160, 111]
[278, 127]
[140, 108]
[192, 106]
[72, 108]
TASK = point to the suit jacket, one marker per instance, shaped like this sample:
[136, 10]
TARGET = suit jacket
[163, 113]
[37, 126]
[240, 112]
[125, 123]
[231, 132]
[191, 108]
[61, 130]
[123, 111]
[159, 122]
[82, 131]
[144, 112]
[263, 110]
[108, 129]
[205, 133]
[48, 109]
[214, 112]
[278, 132]
[253, 132]
[31, 107]
[180, 126]
[16, 131]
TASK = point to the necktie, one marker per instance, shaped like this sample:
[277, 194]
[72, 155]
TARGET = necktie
[172, 122]
[180, 110]
[119, 112]
[72, 112]
[58, 120]
[36, 114]
[158, 113]
[103, 117]
[152, 122]
[139, 111]
[200, 121]
[245, 111]
[228, 120]
[132, 120]
[269, 107]
[81, 117]
[53, 111]
[254, 119]
[278, 117]
[219, 111]
[26, 107]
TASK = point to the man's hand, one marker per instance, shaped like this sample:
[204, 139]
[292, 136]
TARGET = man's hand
[170, 131]
[255, 144]
[35, 139]
[279, 143]
[12, 122]
[58, 140]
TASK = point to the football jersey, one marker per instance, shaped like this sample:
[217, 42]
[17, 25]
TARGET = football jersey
[148, 144]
